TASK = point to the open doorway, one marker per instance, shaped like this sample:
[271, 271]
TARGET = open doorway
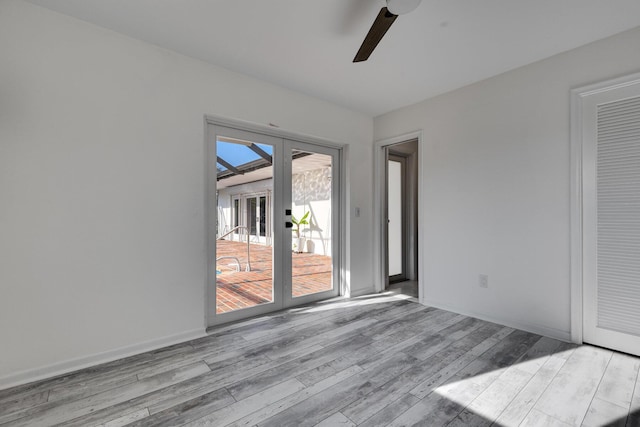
[400, 213]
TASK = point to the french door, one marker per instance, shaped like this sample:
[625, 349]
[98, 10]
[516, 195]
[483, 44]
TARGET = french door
[274, 223]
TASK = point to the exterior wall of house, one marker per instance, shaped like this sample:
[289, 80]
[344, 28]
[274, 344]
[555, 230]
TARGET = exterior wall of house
[311, 192]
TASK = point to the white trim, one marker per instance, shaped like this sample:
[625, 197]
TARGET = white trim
[532, 328]
[71, 365]
[576, 216]
[345, 242]
[270, 131]
[359, 293]
[576, 198]
[607, 85]
[207, 248]
[378, 207]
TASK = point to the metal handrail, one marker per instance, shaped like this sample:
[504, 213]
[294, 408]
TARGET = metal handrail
[230, 257]
[248, 267]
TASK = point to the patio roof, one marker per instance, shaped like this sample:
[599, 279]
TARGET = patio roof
[230, 170]
[240, 157]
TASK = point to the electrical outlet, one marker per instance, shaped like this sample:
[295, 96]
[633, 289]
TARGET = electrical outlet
[483, 281]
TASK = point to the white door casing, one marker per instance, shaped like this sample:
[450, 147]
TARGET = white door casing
[379, 213]
[606, 214]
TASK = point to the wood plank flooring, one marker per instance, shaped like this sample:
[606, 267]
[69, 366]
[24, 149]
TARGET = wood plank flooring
[380, 360]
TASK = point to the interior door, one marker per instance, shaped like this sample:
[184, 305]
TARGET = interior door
[611, 217]
[282, 198]
[396, 219]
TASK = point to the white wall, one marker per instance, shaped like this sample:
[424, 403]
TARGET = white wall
[102, 237]
[496, 185]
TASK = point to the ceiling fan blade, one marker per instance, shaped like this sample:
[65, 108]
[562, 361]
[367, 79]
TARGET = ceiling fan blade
[376, 32]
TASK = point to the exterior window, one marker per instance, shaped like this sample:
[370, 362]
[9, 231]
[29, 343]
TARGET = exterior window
[236, 213]
[263, 215]
[251, 212]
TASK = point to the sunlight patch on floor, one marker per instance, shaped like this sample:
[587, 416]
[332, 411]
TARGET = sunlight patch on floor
[489, 394]
[382, 298]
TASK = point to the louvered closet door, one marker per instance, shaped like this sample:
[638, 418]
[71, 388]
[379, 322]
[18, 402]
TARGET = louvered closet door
[612, 219]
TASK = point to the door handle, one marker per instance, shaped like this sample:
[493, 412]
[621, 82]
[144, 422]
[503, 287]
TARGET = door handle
[288, 224]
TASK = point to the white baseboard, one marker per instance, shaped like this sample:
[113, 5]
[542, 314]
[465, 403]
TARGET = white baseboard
[360, 292]
[534, 329]
[67, 366]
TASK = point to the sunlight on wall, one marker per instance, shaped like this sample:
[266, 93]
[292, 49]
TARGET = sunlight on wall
[311, 192]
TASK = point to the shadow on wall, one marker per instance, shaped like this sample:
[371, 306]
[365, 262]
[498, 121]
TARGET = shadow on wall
[312, 192]
[314, 185]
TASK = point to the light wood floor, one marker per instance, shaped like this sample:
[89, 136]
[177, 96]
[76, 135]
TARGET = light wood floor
[371, 361]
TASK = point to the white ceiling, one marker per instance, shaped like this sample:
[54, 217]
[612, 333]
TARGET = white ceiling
[308, 45]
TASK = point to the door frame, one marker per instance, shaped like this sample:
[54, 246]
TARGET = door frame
[211, 212]
[577, 231]
[379, 235]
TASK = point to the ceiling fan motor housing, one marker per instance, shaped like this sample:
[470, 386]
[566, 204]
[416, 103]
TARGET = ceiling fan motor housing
[400, 7]
[383, 21]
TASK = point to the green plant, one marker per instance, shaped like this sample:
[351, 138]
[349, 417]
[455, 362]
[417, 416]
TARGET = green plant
[299, 222]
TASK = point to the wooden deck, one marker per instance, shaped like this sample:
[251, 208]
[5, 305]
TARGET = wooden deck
[370, 361]
[235, 290]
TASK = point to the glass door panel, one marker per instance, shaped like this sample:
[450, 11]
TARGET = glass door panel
[244, 276]
[314, 180]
